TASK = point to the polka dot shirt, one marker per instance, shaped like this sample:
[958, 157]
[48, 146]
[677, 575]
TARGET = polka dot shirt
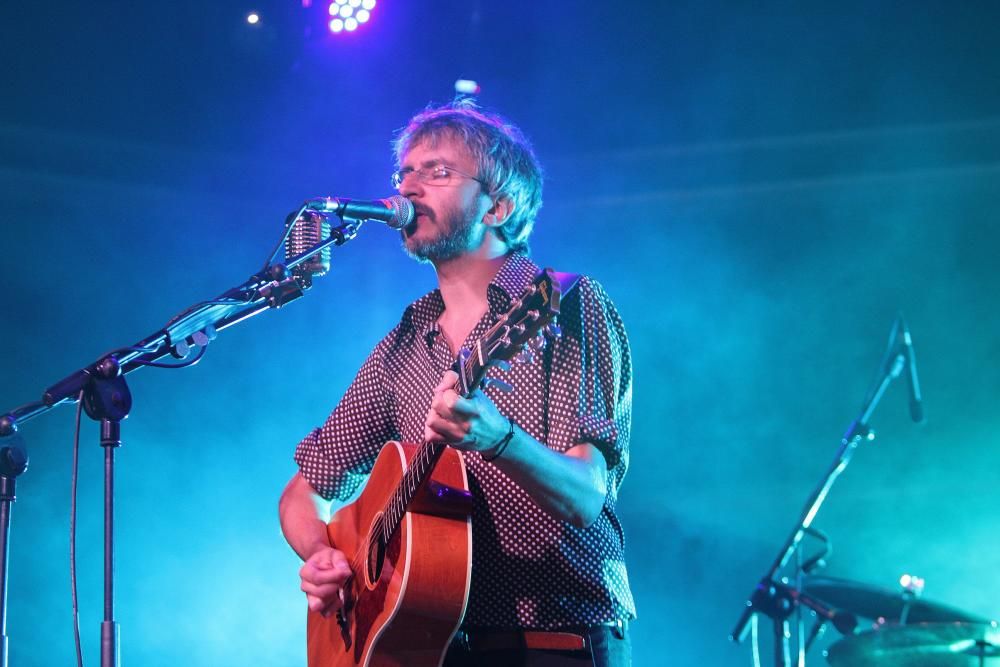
[529, 570]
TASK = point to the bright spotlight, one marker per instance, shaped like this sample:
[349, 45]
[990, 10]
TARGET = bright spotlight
[349, 14]
[253, 18]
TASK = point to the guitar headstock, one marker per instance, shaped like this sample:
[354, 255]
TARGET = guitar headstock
[519, 331]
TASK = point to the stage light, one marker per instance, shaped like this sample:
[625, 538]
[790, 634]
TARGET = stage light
[349, 14]
[466, 87]
[253, 18]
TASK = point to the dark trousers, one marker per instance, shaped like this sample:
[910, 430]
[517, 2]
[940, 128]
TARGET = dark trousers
[606, 647]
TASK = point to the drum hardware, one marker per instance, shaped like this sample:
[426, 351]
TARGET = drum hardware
[944, 644]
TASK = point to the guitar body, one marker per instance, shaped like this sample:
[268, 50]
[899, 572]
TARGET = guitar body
[407, 597]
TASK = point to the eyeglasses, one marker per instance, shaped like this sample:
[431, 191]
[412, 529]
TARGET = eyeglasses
[437, 175]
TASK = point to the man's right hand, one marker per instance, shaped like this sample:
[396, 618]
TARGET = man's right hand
[323, 576]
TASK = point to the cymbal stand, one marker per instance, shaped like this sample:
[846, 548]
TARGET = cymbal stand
[776, 599]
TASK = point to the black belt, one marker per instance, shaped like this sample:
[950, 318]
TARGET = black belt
[573, 638]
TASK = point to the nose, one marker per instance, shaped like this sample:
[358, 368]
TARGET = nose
[410, 186]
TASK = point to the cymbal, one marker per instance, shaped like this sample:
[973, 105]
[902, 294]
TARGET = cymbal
[873, 602]
[920, 645]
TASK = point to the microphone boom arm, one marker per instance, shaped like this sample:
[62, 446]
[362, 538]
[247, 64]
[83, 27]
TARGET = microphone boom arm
[195, 326]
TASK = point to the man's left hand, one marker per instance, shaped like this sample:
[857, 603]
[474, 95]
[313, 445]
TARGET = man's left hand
[472, 423]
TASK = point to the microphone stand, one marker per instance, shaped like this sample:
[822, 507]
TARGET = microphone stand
[13, 461]
[107, 399]
[775, 599]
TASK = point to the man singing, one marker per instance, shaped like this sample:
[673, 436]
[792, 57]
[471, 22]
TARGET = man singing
[544, 462]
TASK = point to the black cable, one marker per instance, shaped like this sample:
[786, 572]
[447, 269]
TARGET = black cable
[214, 302]
[183, 364]
[72, 531]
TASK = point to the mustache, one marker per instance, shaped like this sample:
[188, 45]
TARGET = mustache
[420, 209]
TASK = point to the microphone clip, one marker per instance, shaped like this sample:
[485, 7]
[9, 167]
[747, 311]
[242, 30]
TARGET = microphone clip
[284, 291]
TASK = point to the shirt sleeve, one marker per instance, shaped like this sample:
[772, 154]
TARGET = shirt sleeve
[591, 377]
[336, 458]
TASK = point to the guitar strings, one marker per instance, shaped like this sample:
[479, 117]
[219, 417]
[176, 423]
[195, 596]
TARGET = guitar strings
[395, 507]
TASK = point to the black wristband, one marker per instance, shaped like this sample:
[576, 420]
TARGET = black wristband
[501, 445]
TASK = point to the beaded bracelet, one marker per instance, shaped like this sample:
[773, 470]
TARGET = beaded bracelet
[502, 445]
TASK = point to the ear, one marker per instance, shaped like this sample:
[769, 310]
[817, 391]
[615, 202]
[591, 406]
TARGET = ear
[498, 214]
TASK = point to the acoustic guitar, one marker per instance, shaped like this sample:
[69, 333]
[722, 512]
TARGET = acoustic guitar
[409, 533]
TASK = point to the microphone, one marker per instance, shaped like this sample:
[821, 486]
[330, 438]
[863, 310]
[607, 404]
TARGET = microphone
[312, 227]
[912, 381]
[396, 211]
[308, 230]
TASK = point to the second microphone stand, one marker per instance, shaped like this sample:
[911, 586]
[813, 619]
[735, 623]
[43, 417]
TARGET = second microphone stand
[777, 600]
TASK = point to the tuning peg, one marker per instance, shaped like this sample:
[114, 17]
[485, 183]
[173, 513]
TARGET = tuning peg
[553, 330]
[499, 384]
[525, 356]
[537, 342]
[501, 364]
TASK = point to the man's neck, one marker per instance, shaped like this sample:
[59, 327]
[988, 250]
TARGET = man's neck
[463, 281]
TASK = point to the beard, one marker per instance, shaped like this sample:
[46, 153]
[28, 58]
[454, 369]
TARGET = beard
[455, 235]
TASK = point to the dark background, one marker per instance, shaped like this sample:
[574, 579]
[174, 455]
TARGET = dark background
[761, 187]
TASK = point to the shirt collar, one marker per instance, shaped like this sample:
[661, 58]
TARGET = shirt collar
[513, 277]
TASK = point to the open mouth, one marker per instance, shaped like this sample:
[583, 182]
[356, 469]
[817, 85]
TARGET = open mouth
[420, 213]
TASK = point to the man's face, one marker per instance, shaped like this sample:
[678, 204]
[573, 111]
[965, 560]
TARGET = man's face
[448, 220]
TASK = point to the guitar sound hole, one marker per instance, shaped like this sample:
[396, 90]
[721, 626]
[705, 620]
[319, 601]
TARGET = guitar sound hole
[376, 559]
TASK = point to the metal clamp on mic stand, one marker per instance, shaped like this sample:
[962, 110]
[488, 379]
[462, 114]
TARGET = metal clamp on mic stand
[776, 599]
[106, 396]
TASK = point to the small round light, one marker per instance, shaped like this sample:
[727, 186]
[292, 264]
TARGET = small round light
[363, 16]
[354, 3]
[336, 25]
[368, 4]
[466, 87]
[253, 18]
[351, 23]
[341, 2]
[334, 9]
[346, 11]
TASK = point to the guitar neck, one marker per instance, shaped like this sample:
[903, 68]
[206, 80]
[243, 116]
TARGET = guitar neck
[427, 455]
[534, 309]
